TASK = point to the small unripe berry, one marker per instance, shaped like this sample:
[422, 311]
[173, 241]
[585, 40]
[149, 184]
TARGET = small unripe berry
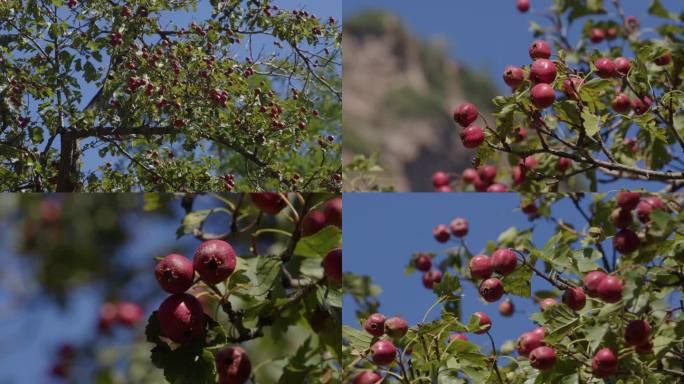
[604, 363]
[465, 114]
[506, 308]
[181, 318]
[431, 277]
[513, 77]
[574, 298]
[622, 65]
[621, 103]
[214, 261]
[175, 273]
[332, 265]
[459, 227]
[626, 241]
[423, 262]
[268, 202]
[367, 377]
[396, 327]
[472, 136]
[485, 322]
[610, 289]
[375, 324]
[542, 96]
[527, 342]
[543, 358]
[440, 179]
[441, 233]
[383, 352]
[637, 332]
[591, 282]
[605, 68]
[233, 365]
[481, 267]
[504, 261]
[491, 289]
[543, 71]
[540, 50]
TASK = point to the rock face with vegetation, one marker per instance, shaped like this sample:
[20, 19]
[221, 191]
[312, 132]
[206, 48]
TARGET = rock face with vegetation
[398, 94]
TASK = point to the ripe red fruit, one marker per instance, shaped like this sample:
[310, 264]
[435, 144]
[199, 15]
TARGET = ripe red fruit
[518, 175]
[571, 87]
[529, 209]
[457, 336]
[523, 5]
[539, 331]
[491, 289]
[546, 303]
[367, 377]
[637, 332]
[233, 365]
[646, 206]
[487, 173]
[626, 241]
[333, 212]
[444, 188]
[513, 77]
[175, 273]
[470, 175]
[542, 96]
[604, 363]
[543, 358]
[610, 289]
[540, 50]
[564, 163]
[591, 282]
[313, 222]
[423, 262]
[621, 103]
[611, 33]
[641, 105]
[472, 136]
[181, 318]
[375, 324]
[214, 261]
[396, 327]
[543, 71]
[622, 65]
[383, 352]
[497, 188]
[504, 261]
[431, 277]
[628, 200]
[481, 266]
[332, 265]
[520, 133]
[481, 185]
[441, 233]
[644, 348]
[596, 35]
[440, 179]
[108, 315]
[459, 227]
[529, 162]
[605, 68]
[621, 218]
[465, 114]
[268, 202]
[485, 322]
[528, 342]
[128, 314]
[506, 308]
[574, 298]
[665, 59]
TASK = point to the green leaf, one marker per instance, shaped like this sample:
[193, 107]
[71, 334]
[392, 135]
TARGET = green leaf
[319, 244]
[519, 282]
[591, 123]
[193, 221]
[357, 339]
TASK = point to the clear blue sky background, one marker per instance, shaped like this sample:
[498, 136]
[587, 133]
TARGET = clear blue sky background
[381, 231]
[491, 34]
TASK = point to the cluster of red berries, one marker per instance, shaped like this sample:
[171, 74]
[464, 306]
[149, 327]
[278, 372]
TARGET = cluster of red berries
[228, 181]
[383, 351]
[219, 97]
[503, 261]
[115, 39]
[65, 361]
[442, 233]
[124, 313]
[626, 240]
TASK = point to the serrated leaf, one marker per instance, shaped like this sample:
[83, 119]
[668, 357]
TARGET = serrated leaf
[319, 244]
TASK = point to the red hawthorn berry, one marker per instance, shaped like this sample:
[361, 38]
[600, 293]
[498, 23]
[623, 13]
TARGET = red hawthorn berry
[504, 261]
[459, 227]
[383, 352]
[423, 262]
[621, 103]
[574, 298]
[513, 77]
[181, 318]
[375, 324]
[431, 277]
[605, 68]
[214, 261]
[540, 50]
[542, 96]
[480, 267]
[543, 358]
[313, 222]
[527, 342]
[367, 377]
[469, 176]
[485, 322]
[440, 179]
[441, 233]
[332, 265]
[622, 65]
[604, 363]
[175, 273]
[269, 202]
[491, 289]
[596, 35]
[610, 289]
[626, 241]
[637, 332]
[506, 308]
[472, 136]
[641, 105]
[591, 282]
[233, 365]
[543, 71]
[465, 114]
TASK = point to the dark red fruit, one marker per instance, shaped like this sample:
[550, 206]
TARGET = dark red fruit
[596, 35]
[528, 341]
[564, 163]
[470, 175]
[175, 273]
[431, 277]
[543, 71]
[487, 173]
[440, 179]
[332, 265]
[543, 358]
[367, 377]
[621, 103]
[604, 363]
[621, 218]
[214, 261]
[628, 200]
[465, 114]
[491, 289]
[441, 233]
[375, 324]
[481, 266]
[383, 352]
[513, 77]
[637, 332]
[457, 336]
[313, 222]
[641, 105]
[485, 322]
[472, 137]
[626, 241]
[396, 327]
[333, 212]
[459, 227]
[605, 68]
[268, 202]
[529, 208]
[523, 5]
[645, 348]
[506, 308]
[181, 318]
[423, 262]
[591, 282]
[539, 331]
[497, 187]
[575, 298]
[571, 87]
[622, 65]
[540, 50]
[665, 59]
[108, 315]
[233, 365]
[504, 261]
[610, 289]
[542, 96]
[128, 313]
[547, 303]
[646, 206]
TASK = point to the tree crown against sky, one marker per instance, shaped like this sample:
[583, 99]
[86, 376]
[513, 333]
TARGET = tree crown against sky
[118, 96]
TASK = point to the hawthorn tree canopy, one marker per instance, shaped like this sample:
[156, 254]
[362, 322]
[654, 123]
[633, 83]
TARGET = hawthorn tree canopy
[603, 314]
[120, 96]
